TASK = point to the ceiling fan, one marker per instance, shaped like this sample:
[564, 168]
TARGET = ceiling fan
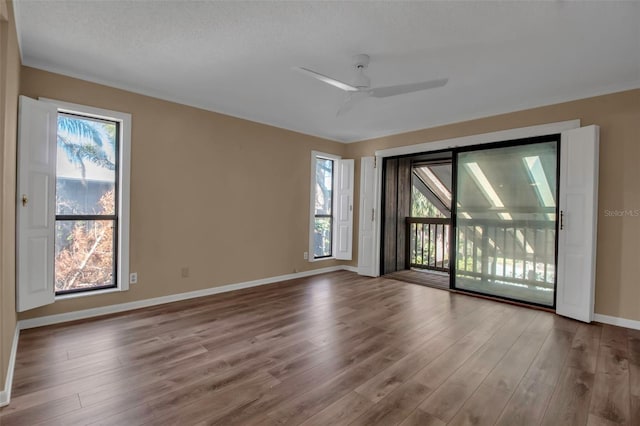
[361, 87]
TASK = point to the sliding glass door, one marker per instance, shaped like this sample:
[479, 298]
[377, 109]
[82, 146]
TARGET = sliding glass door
[505, 231]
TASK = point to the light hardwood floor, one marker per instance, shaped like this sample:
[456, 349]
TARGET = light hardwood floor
[328, 350]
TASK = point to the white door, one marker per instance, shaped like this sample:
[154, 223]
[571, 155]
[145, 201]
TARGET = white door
[366, 240]
[35, 214]
[578, 202]
[344, 223]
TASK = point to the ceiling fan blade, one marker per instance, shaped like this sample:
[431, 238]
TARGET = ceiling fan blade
[383, 92]
[328, 80]
[352, 99]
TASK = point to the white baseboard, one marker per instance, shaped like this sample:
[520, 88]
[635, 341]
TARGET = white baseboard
[621, 322]
[5, 395]
[350, 268]
[122, 307]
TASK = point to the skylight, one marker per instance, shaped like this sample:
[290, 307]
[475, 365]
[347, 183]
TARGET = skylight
[540, 183]
[487, 189]
[539, 180]
[479, 177]
[434, 183]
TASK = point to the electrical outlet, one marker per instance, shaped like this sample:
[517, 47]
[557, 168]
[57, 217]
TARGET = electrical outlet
[133, 278]
[305, 255]
[184, 272]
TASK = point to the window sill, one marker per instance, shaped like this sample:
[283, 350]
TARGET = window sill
[88, 293]
[322, 258]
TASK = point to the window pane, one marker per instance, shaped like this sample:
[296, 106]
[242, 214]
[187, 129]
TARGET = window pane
[322, 237]
[506, 225]
[324, 186]
[86, 165]
[84, 254]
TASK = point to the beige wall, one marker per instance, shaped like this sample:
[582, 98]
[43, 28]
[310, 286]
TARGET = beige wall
[226, 197]
[9, 84]
[618, 115]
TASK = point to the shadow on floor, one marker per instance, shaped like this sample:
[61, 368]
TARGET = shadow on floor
[427, 278]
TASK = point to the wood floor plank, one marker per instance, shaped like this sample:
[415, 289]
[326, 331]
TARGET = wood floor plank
[611, 399]
[445, 401]
[198, 404]
[635, 410]
[528, 403]
[634, 345]
[179, 387]
[439, 336]
[395, 407]
[138, 415]
[584, 348]
[390, 379]
[291, 386]
[332, 349]
[308, 404]
[487, 402]
[548, 364]
[611, 394]
[420, 418]
[569, 404]
[52, 377]
[342, 412]
[42, 412]
[571, 398]
[436, 372]
[599, 421]
[634, 379]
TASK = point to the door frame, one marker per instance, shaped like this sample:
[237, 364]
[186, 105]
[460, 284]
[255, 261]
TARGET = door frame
[447, 144]
[557, 138]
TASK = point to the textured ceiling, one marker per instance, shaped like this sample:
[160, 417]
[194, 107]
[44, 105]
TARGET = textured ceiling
[237, 57]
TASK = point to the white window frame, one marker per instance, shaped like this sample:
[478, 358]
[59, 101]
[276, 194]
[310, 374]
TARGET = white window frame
[124, 178]
[315, 155]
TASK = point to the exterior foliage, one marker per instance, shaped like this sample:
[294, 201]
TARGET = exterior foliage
[421, 206]
[87, 258]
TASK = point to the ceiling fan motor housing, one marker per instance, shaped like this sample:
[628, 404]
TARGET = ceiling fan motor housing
[361, 62]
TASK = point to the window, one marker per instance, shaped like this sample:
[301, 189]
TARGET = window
[331, 207]
[86, 203]
[73, 218]
[323, 209]
[92, 203]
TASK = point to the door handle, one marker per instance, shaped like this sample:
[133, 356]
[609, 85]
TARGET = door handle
[25, 200]
[561, 220]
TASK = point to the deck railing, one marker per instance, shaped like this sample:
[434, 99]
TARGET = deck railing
[521, 252]
[428, 243]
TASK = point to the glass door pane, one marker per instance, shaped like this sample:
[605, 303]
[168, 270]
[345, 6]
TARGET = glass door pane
[506, 222]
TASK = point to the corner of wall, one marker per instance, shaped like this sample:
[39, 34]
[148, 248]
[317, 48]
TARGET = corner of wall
[5, 394]
[9, 87]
